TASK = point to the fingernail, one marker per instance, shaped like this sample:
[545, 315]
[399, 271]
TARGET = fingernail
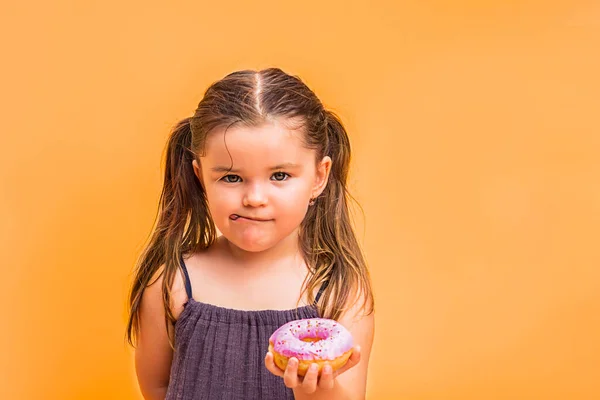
[314, 367]
[327, 369]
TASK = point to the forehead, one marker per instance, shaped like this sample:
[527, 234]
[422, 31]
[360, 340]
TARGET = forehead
[251, 147]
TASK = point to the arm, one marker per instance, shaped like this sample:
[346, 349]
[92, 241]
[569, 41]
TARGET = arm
[153, 353]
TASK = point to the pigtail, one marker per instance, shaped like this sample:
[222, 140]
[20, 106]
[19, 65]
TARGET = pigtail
[183, 225]
[329, 241]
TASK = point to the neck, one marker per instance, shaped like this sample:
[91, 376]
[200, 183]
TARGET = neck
[287, 250]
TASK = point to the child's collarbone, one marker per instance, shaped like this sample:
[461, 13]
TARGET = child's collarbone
[276, 291]
[252, 296]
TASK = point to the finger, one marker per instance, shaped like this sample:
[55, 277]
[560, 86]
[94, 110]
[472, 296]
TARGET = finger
[290, 376]
[271, 366]
[352, 361]
[309, 384]
[327, 380]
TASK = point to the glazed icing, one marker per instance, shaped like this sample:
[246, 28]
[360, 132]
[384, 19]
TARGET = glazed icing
[334, 341]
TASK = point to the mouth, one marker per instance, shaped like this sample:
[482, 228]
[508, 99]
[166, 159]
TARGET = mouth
[235, 217]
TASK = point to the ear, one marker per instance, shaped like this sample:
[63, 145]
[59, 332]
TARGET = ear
[323, 171]
[198, 171]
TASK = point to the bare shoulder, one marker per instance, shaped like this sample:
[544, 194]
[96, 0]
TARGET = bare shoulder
[358, 315]
[153, 294]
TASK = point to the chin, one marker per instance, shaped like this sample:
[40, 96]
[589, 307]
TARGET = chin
[252, 241]
[252, 245]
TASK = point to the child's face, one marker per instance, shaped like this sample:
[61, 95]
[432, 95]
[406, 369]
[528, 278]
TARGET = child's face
[265, 196]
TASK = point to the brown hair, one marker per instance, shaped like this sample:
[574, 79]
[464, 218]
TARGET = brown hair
[184, 225]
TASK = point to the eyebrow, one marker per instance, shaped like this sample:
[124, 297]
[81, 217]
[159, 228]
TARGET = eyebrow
[276, 167]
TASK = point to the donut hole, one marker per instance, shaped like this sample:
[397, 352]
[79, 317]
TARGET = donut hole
[313, 336]
[311, 339]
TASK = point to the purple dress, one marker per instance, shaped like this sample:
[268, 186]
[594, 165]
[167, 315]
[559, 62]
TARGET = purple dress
[219, 352]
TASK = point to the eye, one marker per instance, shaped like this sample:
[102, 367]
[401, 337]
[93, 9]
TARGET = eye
[281, 175]
[226, 178]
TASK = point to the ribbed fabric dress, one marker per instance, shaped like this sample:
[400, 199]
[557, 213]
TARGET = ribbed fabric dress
[219, 352]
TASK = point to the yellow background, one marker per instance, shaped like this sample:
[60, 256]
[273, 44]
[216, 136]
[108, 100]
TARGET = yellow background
[476, 134]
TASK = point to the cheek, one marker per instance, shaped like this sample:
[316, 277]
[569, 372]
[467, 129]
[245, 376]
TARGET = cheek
[293, 205]
[222, 201]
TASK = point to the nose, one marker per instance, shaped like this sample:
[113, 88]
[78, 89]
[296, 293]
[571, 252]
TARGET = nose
[255, 196]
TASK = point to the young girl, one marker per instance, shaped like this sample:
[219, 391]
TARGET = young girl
[263, 162]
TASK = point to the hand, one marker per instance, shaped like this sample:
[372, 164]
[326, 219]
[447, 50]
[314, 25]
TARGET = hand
[311, 381]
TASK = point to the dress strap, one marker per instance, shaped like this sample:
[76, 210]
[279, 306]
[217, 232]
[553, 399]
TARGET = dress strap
[321, 290]
[186, 280]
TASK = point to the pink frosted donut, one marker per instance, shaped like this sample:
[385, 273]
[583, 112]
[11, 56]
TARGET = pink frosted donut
[312, 341]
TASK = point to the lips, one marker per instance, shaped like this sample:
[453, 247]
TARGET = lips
[235, 217]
